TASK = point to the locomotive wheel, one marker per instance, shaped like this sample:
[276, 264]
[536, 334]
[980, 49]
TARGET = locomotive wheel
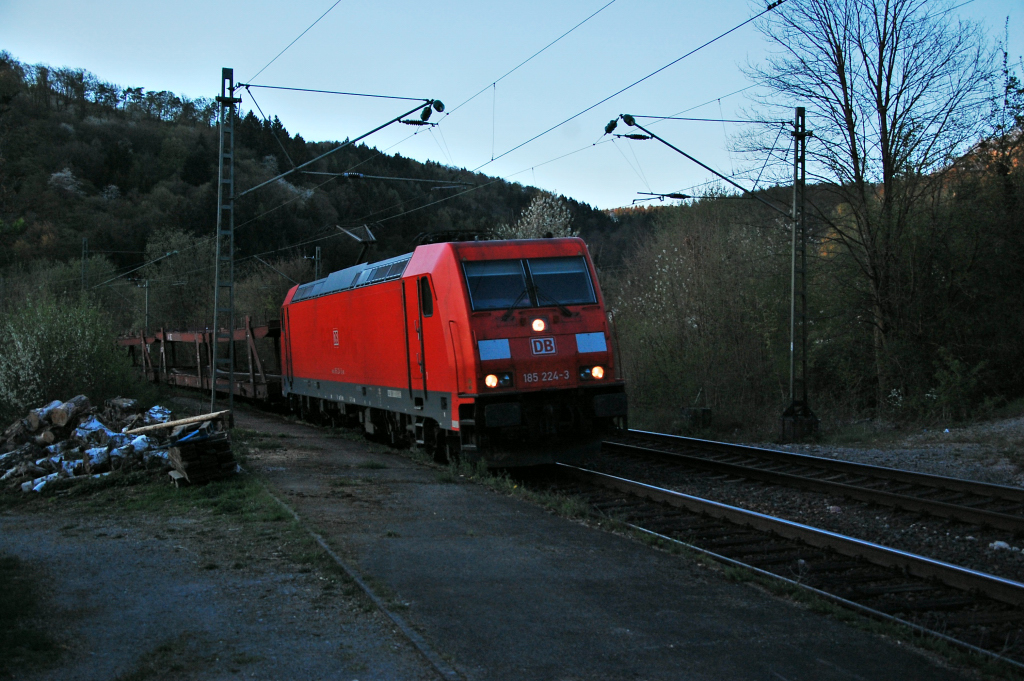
[435, 445]
[452, 448]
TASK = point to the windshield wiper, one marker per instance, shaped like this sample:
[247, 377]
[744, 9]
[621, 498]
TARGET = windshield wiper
[508, 313]
[562, 308]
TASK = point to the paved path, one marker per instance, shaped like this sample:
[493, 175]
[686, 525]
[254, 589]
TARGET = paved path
[505, 590]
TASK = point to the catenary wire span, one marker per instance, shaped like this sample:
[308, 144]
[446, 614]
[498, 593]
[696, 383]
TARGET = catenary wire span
[770, 7]
[377, 153]
[713, 120]
[452, 196]
[328, 92]
[373, 214]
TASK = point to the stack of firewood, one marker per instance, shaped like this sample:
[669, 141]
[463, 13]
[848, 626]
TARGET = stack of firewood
[45, 425]
[75, 440]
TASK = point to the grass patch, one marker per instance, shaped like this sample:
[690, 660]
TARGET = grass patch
[242, 497]
[500, 481]
[372, 465]
[185, 654]
[23, 643]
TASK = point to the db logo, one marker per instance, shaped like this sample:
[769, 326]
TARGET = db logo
[543, 346]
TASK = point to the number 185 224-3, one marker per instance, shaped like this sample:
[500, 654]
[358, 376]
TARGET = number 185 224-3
[546, 376]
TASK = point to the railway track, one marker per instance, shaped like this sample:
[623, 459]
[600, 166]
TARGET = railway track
[977, 503]
[966, 608]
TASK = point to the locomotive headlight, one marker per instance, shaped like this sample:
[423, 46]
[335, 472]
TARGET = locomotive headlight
[539, 325]
[502, 380]
[597, 372]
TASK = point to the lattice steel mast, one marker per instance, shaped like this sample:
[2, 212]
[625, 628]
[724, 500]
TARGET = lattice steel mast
[224, 264]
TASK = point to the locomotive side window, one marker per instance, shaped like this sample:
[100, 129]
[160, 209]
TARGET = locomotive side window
[426, 301]
[564, 281]
[496, 284]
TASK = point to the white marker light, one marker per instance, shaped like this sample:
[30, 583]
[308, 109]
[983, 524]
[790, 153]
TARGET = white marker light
[539, 325]
[491, 381]
[597, 372]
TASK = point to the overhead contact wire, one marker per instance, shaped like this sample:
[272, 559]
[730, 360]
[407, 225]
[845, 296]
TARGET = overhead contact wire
[530, 58]
[635, 83]
[337, 2]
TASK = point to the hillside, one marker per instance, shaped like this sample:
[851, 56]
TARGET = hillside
[82, 158]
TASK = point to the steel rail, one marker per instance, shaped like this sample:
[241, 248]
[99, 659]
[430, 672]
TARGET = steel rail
[838, 600]
[997, 519]
[997, 588]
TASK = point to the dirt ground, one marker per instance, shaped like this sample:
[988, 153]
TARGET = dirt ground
[139, 582]
[177, 588]
[506, 590]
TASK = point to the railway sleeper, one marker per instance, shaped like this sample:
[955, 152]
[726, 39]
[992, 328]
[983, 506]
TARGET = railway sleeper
[847, 581]
[734, 539]
[793, 558]
[929, 605]
[966, 619]
[711, 531]
[899, 588]
[761, 549]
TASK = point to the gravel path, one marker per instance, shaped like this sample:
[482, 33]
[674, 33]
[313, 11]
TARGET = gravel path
[992, 451]
[144, 596]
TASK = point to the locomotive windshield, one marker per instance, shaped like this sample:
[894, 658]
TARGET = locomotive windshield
[496, 284]
[536, 282]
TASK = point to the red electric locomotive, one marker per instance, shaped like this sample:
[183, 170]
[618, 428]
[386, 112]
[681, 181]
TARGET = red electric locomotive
[494, 350]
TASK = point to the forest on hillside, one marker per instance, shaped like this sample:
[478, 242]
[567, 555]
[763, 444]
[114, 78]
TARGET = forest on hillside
[132, 172]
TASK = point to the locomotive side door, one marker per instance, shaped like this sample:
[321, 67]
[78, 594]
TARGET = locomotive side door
[419, 305]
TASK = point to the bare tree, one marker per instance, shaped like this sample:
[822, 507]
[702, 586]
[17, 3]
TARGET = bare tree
[896, 92]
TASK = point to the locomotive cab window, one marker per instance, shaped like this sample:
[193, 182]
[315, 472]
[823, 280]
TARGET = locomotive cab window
[561, 281]
[426, 301]
[496, 284]
[537, 282]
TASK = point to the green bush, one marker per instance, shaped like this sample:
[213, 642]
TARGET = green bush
[56, 349]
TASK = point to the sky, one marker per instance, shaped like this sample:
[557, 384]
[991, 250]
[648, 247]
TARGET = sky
[451, 50]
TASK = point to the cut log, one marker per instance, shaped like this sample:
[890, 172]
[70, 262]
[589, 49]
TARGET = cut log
[179, 422]
[121, 411]
[41, 416]
[15, 431]
[124, 405]
[61, 415]
[45, 438]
